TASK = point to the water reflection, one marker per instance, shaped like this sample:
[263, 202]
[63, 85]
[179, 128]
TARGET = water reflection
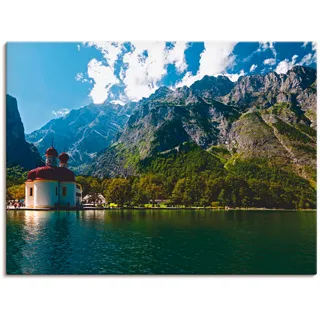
[151, 241]
[31, 225]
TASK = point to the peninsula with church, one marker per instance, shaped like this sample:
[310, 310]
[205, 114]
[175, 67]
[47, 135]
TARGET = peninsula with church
[52, 186]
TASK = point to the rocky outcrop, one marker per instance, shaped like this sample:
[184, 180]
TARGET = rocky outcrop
[251, 137]
[297, 87]
[249, 117]
[164, 121]
[18, 151]
[211, 87]
[83, 132]
[281, 135]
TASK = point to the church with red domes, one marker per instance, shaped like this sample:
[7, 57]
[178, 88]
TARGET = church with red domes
[53, 185]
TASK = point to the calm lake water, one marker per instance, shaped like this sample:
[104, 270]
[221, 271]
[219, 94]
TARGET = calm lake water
[161, 242]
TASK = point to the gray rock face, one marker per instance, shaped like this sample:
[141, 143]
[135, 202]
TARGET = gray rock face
[249, 117]
[281, 134]
[266, 90]
[18, 151]
[83, 132]
[252, 137]
[211, 87]
[307, 99]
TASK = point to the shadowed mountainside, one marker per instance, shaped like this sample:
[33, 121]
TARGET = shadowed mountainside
[18, 151]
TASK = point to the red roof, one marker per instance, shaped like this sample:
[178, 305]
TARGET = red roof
[51, 173]
[51, 152]
[64, 157]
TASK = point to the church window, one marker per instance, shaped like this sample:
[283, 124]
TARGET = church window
[31, 192]
[64, 191]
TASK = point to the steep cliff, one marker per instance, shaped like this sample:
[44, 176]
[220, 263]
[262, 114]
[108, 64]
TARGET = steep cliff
[18, 151]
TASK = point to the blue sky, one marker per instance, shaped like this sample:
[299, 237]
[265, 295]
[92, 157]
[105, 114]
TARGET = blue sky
[50, 79]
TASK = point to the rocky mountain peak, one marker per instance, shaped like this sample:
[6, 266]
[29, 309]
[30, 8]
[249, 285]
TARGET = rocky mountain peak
[184, 96]
[159, 94]
[299, 78]
[213, 86]
[83, 132]
[266, 90]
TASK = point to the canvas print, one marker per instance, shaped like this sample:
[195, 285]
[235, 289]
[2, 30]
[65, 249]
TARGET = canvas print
[161, 158]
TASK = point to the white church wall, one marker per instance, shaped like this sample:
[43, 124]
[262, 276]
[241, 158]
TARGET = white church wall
[45, 193]
[69, 198]
[29, 198]
[78, 194]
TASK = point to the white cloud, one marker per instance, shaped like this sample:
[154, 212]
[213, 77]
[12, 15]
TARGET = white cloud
[313, 45]
[177, 57]
[78, 46]
[187, 80]
[214, 59]
[145, 65]
[103, 78]
[103, 75]
[234, 76]
[121, 99]
[308, 59]
[118, 102]
[270, 61]
[264, 46]
[253, 67]
[141, 76]
[79, 76]
[60, 113]
[268, 45]
[110, 50]
[285, 65]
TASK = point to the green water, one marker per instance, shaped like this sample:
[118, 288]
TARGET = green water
[161, 242]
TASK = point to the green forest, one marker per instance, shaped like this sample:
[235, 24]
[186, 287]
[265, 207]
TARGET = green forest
[195, 177]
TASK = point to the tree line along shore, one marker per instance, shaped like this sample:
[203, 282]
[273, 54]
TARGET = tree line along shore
[198, 190]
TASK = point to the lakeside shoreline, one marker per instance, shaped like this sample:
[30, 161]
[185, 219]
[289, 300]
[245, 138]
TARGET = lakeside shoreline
[157, 209]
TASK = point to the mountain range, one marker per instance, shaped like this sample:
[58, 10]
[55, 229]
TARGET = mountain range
[269, 118]
[82, 132]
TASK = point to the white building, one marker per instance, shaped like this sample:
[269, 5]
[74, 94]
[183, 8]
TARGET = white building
[100, 199]
[53, 186]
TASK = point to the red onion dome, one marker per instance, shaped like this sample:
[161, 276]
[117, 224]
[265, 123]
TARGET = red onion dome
[51, 173]
[64, 157]
[51, 152]
[32, 174]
